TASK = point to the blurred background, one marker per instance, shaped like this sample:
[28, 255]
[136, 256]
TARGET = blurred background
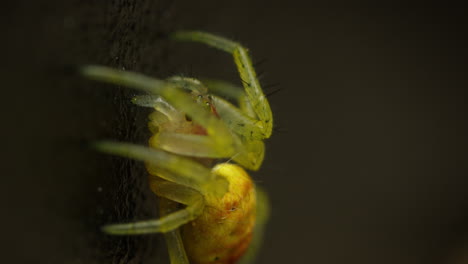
[367, 163]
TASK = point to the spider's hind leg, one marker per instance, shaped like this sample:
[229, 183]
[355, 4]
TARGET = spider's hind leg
[174, 242]
[183, 180]
[171, 219]
[164, 224]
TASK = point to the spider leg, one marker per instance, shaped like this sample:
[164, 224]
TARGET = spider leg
[251, 154]
[184, 144]
[189, 145]
[218, 133]
[180, 170]
[171, 195]
[171, 218]
[224, 89]
[174, 242]
[175, 247]
[156, 102]
[166, 223]
[251, 149]
[246, 70]
[231, 92]
[243, 125]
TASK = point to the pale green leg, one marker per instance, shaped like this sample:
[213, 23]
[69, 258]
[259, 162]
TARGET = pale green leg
[157, 103]
[239, 122]
[193, 199]
[236, 120]
[190, 145]
[246, 71]
[252, 149]
[164, 111]
[263, 212]
[246, 107]
[249, 145]
[251, 154]
[169, 193]
[184, 144]
[175, 247]
[174, 242]
[190, 84]
[162, 225]
[233, 92]
[243, 122]
[223, 88]
[219, 142]
[254, 121]
[183, 171]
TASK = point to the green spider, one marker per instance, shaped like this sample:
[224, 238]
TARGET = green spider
[210, 212]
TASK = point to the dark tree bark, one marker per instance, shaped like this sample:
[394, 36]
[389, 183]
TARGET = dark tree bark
[60, 191]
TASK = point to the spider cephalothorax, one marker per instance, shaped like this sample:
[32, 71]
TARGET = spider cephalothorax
[194, 128]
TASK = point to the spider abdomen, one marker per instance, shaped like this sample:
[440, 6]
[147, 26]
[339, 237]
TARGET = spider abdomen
[222, 233]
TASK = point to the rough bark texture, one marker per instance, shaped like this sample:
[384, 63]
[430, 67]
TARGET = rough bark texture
[65, 190]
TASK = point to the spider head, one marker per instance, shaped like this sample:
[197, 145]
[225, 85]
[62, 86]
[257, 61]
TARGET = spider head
[206, 101]
[198, 91]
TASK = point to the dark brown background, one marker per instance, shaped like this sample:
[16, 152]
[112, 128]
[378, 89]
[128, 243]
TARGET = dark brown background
[368, 163]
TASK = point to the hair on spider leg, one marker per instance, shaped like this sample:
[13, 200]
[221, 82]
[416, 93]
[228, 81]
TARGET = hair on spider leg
[191, 69]
[259, 62]
[260, 74]
[274, 91]
[279, 129]
[232, 157]
[270, 85]
[245, 82]
[185, 71]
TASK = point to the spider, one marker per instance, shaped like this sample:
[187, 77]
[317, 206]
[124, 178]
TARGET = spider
[211, 211]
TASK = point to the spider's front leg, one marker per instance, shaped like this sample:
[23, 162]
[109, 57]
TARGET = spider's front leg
[218, 143]
[252, 87]
[253, 121]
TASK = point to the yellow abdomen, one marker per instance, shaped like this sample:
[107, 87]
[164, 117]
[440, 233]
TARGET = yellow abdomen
[222, 233]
